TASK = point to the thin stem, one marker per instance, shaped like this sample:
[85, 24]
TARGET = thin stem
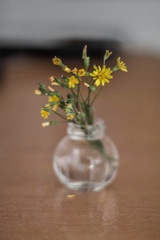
[79, 90]
[96, 95]
[73, 92]
[75, 99]
[89, 96]
[62, 121]
[89, 91]
[59, 114]
[81, 96]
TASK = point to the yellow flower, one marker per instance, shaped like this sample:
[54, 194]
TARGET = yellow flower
[54, 99]
[37, 92]
[44, 113]
[72, 82]
[121, 65]
[71, 116]
[56, 61]
[51, 89]
[86, 84]
[51, 79]
[81, 72]
[101, 76]
[45, 124]
[54, 83]
[66, 69]
[108, 53]
[74, 71]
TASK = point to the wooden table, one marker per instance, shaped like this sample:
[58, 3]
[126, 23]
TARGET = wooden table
[33, 204]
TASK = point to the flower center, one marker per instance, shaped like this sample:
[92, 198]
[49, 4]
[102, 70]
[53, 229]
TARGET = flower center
[102, 76]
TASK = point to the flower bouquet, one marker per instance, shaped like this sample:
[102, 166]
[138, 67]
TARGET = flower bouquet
[96, 161]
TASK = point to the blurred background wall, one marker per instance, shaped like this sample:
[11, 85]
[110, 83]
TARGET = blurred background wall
[48, 23]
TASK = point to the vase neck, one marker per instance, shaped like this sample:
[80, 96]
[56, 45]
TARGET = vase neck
[89, 132]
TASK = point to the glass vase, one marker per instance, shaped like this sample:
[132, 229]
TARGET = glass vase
[86, 159]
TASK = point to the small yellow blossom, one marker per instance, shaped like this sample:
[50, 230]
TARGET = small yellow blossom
[55, 83]
[51, 89]
[74, 71]
[108, 53]
[121, 65]
[51, 79]
[70, 196]
[101, 76]
[54, 99]
[56, 61]
[81, 72]
[37, 92]
[66, 69]
[72, 82]
[86, 84]
[71, 116]
[44, 113]
[45, 124]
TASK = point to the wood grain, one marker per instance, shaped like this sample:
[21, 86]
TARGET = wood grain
[33, 204]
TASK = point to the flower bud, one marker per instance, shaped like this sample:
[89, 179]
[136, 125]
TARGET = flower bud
[45, 124]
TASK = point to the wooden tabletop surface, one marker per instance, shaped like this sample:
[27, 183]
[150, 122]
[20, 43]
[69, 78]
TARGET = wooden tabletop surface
[33, 204]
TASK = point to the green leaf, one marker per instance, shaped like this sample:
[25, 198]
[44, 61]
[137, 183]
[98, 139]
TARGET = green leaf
[42, 88]
[55, 93]
[47, 109]
[59, 81]
[66, 80]
[53, 123]
[53, 103]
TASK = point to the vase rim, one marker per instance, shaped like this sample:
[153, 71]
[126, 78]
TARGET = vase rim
[89, 132]
[96, 121]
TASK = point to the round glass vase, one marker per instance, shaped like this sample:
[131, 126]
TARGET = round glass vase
[86, 159]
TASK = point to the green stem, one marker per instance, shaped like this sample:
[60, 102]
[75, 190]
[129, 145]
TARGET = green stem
[59, 115]
[89, 93]
[96, 95]
[81, 96]
[75, 99]
[79, 90]
[62, 121]
[73, 92]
